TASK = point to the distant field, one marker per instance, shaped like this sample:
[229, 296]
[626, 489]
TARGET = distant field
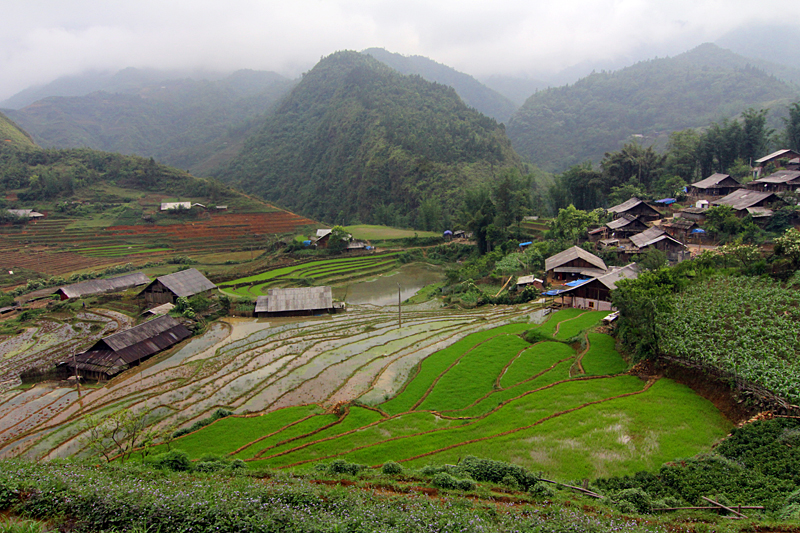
[369, 232]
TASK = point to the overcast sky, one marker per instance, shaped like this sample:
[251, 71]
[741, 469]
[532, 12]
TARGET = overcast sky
[41, 40]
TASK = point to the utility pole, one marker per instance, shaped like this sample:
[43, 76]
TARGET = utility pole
[77, 378]
[399, 309]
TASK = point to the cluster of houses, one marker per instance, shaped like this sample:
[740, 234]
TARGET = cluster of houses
[117, 352]
[583, 280]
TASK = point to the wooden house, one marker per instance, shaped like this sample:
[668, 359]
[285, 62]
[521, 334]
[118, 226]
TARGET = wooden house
[625, 226]
[529, 281]
[595, 294]
[322, 238]
[743, 199]
[714, 185]
[101, 286]
[113, 354]
[782, 180]
[659, 239]
[573, 263]
[25, 213]
[635, 207]
[183, 284]
[780, 158]
[296, 302]
[679, 228]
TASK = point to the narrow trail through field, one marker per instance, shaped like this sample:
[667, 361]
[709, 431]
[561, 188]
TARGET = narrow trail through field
[577, 367]
[558, 326]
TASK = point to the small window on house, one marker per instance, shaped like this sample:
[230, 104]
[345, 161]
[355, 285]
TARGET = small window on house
[591, 304]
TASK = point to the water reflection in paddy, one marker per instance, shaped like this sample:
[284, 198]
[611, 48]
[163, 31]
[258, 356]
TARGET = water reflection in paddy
[382, 291]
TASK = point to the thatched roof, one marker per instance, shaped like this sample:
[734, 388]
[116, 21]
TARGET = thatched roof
[99, 286]
[302, 299]
[570, 254]
[186, 283]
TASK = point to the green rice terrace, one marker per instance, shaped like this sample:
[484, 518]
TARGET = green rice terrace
[445, 385]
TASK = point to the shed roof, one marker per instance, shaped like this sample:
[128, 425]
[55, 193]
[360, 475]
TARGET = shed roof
[781, 176]
[610, 278]
[112, 354]
[322, 232]
[630, 204]
[25, 213]
[302, 299]
[622, 221]
[712, 180]
[527, 280]
[651, 236]
[775, 155]
[99, 286]
[186, 282]
[571, 254]
[680, 223]
[744, 198]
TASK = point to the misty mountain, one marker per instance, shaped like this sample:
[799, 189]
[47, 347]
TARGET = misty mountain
[516, 89]
[191, 124]
[357, 141]
[129, 81]
[560, 127]
[475, 94]
[767, 43]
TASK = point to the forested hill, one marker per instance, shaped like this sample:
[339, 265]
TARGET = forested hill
[190, 124]
[13, 136]
[474, 93]
[355, 140]
[560, 127]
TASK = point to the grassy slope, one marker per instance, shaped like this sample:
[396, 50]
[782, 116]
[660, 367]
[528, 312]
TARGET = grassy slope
[13, 135]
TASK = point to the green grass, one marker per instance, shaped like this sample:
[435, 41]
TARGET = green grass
[549, 326]
[602, 357]
[437, 363]
[571, 328]
[372, 232]
[474, 375]
[534, 360]
[304, 427]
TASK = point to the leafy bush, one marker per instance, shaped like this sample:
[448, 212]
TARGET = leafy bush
[541, 490]
[496, 471]
[219, 413]
[340, 466]
[443, 480]
[637, 498]
[174, 460]
[391, 468]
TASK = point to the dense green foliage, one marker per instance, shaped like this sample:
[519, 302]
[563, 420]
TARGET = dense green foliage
[356, 141]
[87, 498]
[757, 465]
[565, 126]
[184, 123]
[50, 174]
[474, 93]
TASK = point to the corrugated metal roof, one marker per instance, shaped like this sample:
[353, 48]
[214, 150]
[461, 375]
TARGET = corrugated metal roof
[25, 213]
[714, 179]
[773, 155]
[571, 254]
[99, 286]
[261, 304]
[162, 309]
[186, 282]
[680, 223]
[302, 299]
[651, 236]
[527, 280]
[611, 278]
[743, 198]
[781, 176]
[322, 232]
[621, 222]
[114, 353]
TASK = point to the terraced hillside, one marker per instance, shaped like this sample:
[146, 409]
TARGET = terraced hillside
[57, 246]
[445, 385]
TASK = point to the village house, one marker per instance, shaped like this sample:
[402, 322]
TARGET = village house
[101, 286]
[296, 302]
[625, 226]
[635, 207]
[183, 284]
[595, 293]
[529, 281]
[745, 199]
[25, 213]
[571, 264]
[111, 355]
[679, 228]
[714, 185]
[659, 239]
[780, 158]
[782, 180]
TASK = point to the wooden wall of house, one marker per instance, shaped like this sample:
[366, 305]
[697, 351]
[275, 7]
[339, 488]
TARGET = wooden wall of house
[158, 294]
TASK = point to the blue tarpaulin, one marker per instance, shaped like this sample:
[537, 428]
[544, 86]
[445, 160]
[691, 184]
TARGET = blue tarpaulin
[576, 282]
[448, 232]
[306, 243]
[698, 230]
[666, 201]
[554, 292]
[523, 244]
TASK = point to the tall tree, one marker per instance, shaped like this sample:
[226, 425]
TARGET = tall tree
[756, 136]
[792, 123]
